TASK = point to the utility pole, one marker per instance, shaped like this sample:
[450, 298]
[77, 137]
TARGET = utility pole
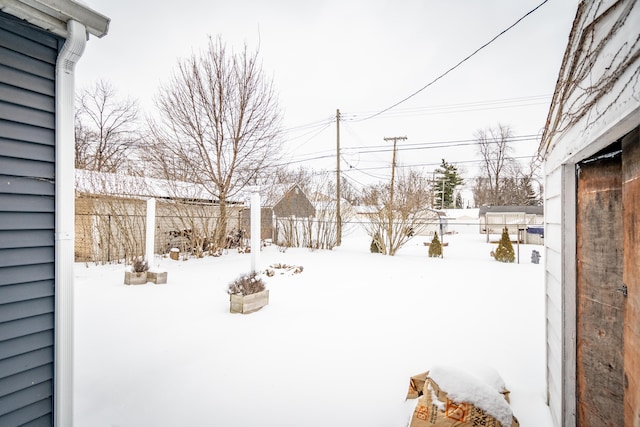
[338, 216]
[393, 174]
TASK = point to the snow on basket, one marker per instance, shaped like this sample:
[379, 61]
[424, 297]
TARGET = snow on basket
[450, 397]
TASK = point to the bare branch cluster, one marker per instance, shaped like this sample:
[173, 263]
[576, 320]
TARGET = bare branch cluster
[503, 181]
[106, 129]
[218, 125]
[393, 223]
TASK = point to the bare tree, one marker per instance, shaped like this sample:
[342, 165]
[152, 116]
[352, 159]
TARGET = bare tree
[105, 129]
[522, 184]
[391, 227]
[503, 180]
[218, 124]
[494, 148]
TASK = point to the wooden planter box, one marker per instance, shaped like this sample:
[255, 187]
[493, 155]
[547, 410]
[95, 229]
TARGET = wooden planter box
[246, 304]
[157, 277]
[131, 278]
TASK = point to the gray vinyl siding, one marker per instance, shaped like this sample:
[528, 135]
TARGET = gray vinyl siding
[27, 222]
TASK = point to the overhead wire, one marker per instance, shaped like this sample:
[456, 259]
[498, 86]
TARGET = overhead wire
[443, 144]
[323, 124]
[457, 108]
[457, 64]
[318, 123]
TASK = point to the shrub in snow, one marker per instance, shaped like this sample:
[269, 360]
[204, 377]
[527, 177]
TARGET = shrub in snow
[140, 265]
[246, 284]
[505, 253]
[435, 248]
[375, 246]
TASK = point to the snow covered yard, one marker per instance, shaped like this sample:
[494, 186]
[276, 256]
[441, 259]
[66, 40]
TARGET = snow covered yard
[336, 345]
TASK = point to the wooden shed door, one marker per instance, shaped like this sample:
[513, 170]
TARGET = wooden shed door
[631, 276]
[600, 307]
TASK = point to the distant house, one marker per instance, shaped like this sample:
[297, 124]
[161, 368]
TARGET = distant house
[517, 220]
[591, 151]
[41, 44]
[289, 201]
[366, 211]
[280, 203]
[433, 221]
[463, 220]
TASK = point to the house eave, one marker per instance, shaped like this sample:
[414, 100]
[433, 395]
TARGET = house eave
[53, 15]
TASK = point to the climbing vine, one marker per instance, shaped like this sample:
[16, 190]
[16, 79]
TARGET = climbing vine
[584, 78]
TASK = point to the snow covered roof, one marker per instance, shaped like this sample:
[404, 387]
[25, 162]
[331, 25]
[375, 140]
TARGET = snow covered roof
[462, 214]
[330, 205]
[367, 209]
[113, 184]
[534, 210]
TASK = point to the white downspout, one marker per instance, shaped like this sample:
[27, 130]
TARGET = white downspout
[65, 216]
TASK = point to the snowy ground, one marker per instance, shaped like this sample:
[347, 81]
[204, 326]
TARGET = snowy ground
[336, 345]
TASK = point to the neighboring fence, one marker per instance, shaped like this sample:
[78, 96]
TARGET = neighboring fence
[315, 233]
[111, 229]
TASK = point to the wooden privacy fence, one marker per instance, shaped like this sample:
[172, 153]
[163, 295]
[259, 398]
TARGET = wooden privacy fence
[112, 229]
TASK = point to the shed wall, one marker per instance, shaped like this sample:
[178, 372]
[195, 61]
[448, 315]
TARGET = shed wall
[595, 104]
[294, 203]
[27, 222]
[114, 228]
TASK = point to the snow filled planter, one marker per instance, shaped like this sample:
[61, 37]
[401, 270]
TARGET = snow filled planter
[246, 304]
[135, 278]
[247, 293]
[157, 277]
[138, 273]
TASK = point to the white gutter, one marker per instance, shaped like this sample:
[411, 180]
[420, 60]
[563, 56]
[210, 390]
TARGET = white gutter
[65, 214]
[53, 15]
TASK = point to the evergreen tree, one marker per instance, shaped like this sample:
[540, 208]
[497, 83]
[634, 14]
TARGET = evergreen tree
[447, 179]
[435, 248]
[505, 253]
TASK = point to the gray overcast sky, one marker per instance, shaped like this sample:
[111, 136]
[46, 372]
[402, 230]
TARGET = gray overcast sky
[360, 56]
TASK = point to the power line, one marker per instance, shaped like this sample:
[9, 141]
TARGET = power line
[315, 134]
[429, 164]
[318, 123]
[437, 144]
[458, 107]
[410, 147]
[368, 149]
[323, 124]
[456, 65]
